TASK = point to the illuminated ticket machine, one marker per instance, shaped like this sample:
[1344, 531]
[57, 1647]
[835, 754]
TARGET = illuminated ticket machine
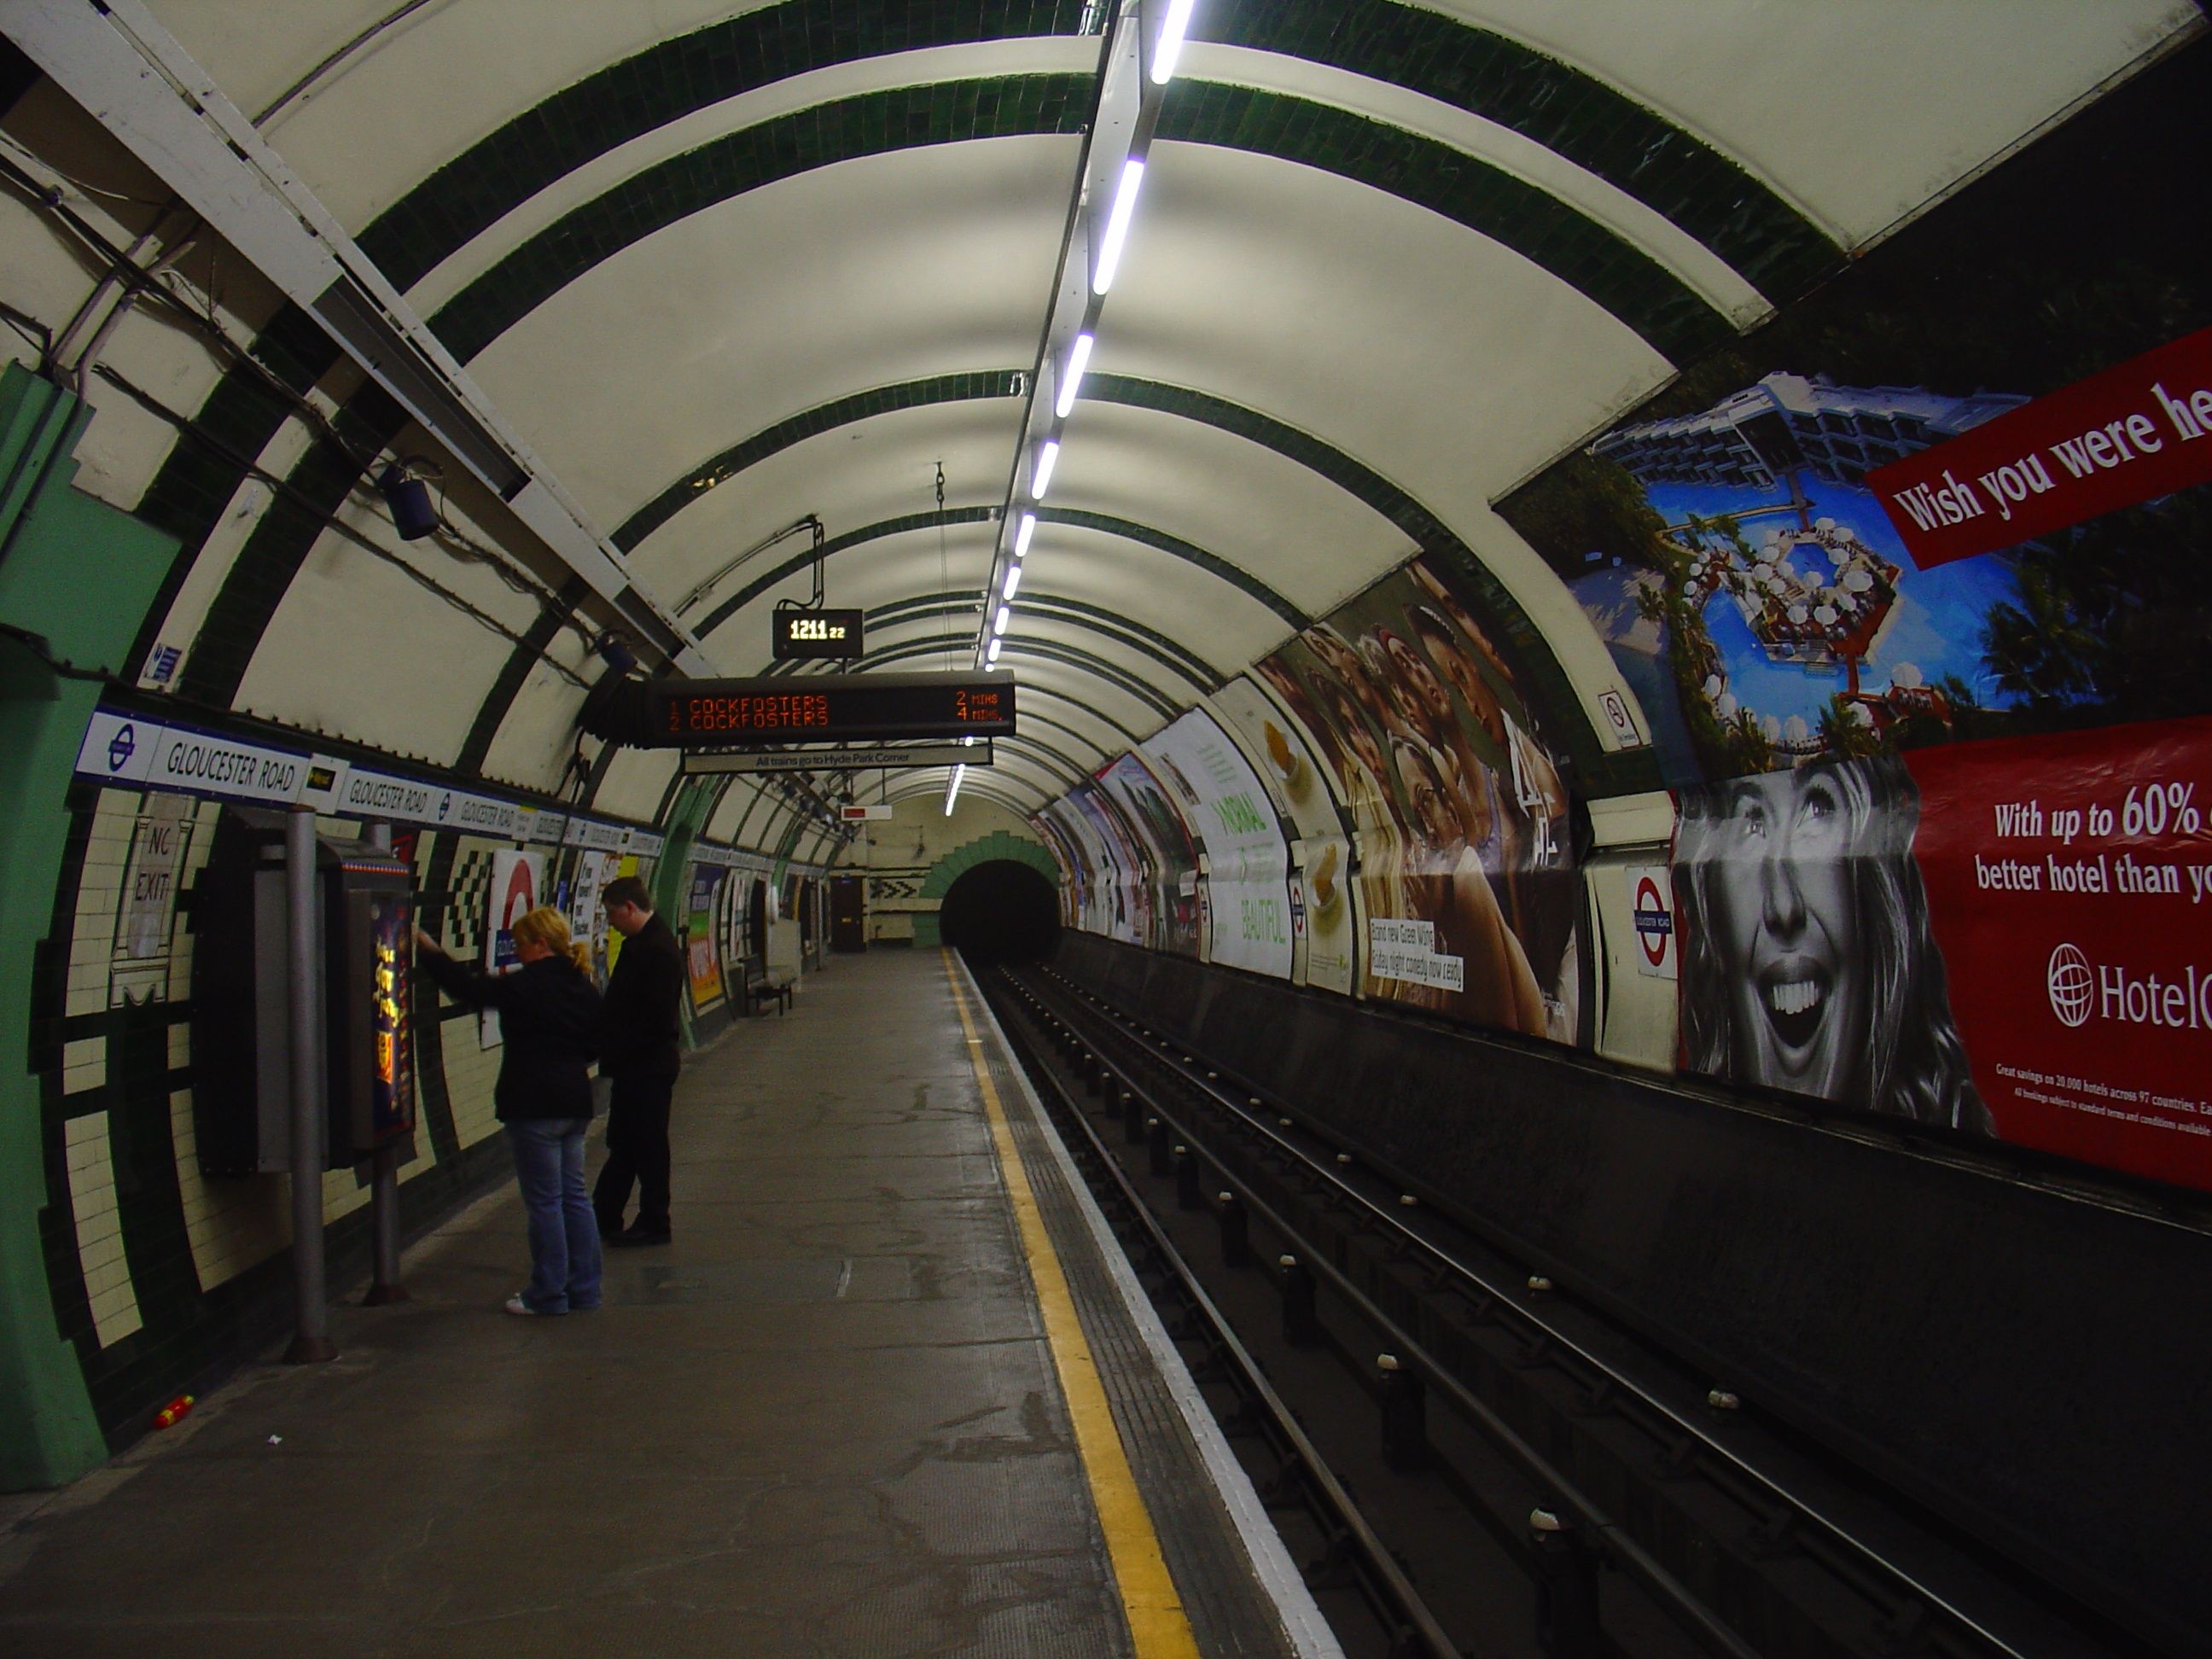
[364, 926]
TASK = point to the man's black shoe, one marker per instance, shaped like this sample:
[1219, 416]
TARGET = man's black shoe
[631, 1237]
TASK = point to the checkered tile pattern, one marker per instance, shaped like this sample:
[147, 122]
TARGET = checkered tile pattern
[461, 928]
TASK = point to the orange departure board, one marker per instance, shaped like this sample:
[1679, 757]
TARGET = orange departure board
[828, 709]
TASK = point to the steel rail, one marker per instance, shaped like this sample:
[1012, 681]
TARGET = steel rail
[1669, 1592]
[1390, 1580]
[1501, 1302]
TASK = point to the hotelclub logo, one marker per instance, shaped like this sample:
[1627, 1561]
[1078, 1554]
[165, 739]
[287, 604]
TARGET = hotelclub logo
[2081, 991]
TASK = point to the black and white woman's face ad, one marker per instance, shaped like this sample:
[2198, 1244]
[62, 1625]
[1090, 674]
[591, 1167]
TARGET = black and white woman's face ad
[1786, 925]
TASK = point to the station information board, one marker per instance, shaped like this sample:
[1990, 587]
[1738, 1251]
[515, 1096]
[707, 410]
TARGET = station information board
[817, 636]
[826, 708]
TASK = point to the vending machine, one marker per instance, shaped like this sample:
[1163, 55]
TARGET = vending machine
[364, 931]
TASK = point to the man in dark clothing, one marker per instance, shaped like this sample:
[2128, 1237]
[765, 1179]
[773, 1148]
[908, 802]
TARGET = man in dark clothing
[638, 1052]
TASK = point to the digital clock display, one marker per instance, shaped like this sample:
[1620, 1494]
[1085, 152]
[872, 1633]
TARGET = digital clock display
[828, 709]
[817, 635]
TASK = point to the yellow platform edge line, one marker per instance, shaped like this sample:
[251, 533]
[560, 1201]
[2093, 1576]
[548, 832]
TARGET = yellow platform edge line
[1157, 1621]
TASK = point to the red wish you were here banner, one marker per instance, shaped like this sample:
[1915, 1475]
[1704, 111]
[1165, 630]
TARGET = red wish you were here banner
[2141, 429]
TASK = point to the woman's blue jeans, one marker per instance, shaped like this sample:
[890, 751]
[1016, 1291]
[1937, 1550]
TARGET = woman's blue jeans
[564, 1229]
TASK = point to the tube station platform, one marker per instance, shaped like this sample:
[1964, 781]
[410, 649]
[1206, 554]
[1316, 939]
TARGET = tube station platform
[890, 1391]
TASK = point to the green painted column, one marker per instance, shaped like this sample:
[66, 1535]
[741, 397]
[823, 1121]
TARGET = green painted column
[76, 578]
[687, 817]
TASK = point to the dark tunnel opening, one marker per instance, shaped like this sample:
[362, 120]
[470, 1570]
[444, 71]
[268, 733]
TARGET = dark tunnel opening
[1000, 911]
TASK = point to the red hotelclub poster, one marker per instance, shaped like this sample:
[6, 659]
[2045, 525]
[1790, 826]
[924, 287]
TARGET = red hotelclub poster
[2067, 880]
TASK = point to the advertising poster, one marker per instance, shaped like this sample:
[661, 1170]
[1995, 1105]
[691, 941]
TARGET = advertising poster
[1322, 896]
[1960, 493]
[700, 944]
[2068, 881]
[623, 864]
[1457, 802]
[1090, 903]
[730, 919]
[1077, 877]
[2006, 937]
[391, 1079]
[1247, 862]
[588, 918]
[515, 880]
[1170, 855]
[1125, 906]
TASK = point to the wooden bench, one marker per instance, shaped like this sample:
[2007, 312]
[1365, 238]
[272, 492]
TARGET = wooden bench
[761, 989]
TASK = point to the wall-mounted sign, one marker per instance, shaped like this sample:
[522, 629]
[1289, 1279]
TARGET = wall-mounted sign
[1651, 913]
[825, 709]
[816, 635]
[516, 880]
[127, 749]
[842, 760]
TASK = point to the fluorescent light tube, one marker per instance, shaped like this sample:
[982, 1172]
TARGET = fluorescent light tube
[1014, 580]
[998, 622]
[1078, 358]
[1022, 536]
[1117, 225]
[1169, 46]
[1040, 473]
[993, 655]
[952, 789]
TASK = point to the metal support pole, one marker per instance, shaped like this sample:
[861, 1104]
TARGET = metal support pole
[312, 1341]
[385, 1287]
[1405, 1425]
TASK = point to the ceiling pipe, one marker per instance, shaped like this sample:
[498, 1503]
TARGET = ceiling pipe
[117, 61]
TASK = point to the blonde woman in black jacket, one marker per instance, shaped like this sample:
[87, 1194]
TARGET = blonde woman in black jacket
[549, 1015]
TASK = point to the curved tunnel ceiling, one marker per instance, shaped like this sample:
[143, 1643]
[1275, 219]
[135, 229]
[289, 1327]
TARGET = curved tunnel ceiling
[725, 268]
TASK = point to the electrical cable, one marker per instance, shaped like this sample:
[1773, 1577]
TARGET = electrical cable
[337, 58]
[233, 355]
[284, 487]
[31, 330]
[72, 180]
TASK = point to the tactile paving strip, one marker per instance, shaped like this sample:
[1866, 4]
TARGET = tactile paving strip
[1230, 1614]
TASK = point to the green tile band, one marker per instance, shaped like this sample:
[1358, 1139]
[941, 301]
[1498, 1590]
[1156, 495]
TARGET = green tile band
[823, 417]
[1053, 651]
[798, 563]
[1591, 257]
[665, 82]
[868, 124]
[1566, 109]
[1602, 772]
[1488, 74]
[1111, 624]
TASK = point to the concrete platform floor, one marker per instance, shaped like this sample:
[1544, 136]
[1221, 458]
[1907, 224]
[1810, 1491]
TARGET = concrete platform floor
[823, 1422]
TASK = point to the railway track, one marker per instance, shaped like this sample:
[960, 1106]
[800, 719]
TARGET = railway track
[1496, 1431]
